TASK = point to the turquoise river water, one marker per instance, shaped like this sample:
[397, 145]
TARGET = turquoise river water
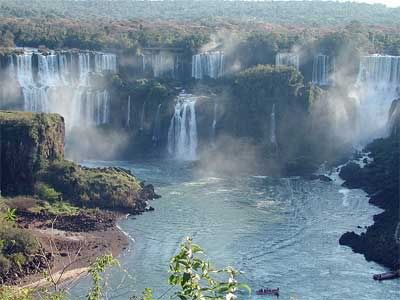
[281, 232]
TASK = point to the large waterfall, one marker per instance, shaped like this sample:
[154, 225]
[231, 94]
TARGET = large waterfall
[287, 59]
[323, 68]
[378, 85]
[182, 133]
[60, 82]
[208, 64]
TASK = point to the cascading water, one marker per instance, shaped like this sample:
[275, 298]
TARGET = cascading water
[323, 67]
[142, 116]
[378, 84]
[128, 115]
[287, 59]
[208, 64]
[105, 62]
[161, 64]
[35, 96]
[96, 107]
[47, 85]
[182, 133]
[272, 137]
[157, 126]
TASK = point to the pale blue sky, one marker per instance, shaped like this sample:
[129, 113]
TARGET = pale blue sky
[392, 3]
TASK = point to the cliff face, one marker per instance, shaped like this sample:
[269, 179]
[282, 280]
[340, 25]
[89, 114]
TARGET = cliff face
[32, 163]
[264, 117]
[381, 180]
[28, 142]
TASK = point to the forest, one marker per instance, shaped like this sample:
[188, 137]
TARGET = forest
[298, 13]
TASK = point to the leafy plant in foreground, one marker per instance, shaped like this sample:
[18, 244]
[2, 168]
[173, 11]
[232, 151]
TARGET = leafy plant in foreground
[197, 279]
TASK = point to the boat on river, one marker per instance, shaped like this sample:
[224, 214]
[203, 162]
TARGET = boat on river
[268, 292]
[387, 276]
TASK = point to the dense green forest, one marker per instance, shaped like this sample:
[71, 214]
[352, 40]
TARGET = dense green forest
[278, 12]
[188, 25]
[254, 44]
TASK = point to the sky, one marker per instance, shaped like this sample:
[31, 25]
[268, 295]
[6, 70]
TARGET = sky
[391, 3]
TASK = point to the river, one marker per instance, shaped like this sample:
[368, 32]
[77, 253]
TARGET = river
[281, 232]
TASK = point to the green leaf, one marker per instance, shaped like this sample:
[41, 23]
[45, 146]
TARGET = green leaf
[245, 287]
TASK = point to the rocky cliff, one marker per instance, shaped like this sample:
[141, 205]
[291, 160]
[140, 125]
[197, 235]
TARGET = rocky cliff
[28, 143]
[32, 163]
[380, 179]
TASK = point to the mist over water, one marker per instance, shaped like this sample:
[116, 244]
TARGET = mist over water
[282, 232]
[61, 82]
[378, 84]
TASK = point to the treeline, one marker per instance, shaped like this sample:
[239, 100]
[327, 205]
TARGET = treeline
[254, 43]
[97, 34]
[306, 13]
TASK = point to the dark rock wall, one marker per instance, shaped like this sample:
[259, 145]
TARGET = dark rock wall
[381, 180]
[28, 142]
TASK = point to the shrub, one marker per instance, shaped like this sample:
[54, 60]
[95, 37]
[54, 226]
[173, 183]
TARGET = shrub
[47, 193]
[5, 265]
[11, 293]
[19, 259]
[21, 202]
[17, 241]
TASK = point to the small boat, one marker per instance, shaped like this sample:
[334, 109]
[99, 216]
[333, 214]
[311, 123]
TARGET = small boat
[263, 292]
[387, 276]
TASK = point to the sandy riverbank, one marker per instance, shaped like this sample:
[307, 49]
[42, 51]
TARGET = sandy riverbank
[72, 251]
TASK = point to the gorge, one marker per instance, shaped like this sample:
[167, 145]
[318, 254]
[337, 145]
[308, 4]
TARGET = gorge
[273, 145]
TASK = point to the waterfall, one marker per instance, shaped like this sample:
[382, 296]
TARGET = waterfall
[182, 133]
[84, 68]
[142, 116]
[128, 116]
[208, 64]
[96, 106]
[105, 62]
[157, 126]
[323, 67]
[287, 59]
[378, 84]
[214, 125]
[51, 88]
[272, 136]
[161, 64]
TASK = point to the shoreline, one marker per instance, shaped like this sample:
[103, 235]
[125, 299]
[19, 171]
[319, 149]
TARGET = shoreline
[72, 252]
[380, 180]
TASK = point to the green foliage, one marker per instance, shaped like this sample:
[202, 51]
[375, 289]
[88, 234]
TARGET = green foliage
[148, 294]
[16, 240]
[12, 293]
[10, 215]
[102, 187]
[47, 193]
[196, 278]
[18, 259]
[5, 264]
[16, 245]
[56, 208]
[306, 13]
[95, 271]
